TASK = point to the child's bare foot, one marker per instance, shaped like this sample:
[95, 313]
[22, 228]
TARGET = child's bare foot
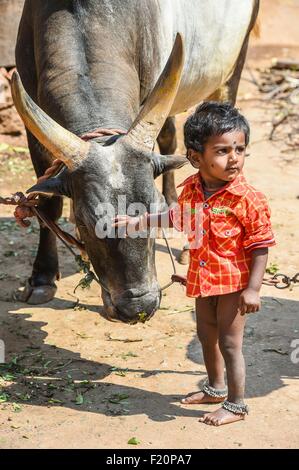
[220, 417]
[201, 397]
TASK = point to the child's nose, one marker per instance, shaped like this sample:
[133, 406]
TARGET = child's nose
[233, 155]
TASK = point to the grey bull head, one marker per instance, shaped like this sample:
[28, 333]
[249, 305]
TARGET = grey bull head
[97, 174]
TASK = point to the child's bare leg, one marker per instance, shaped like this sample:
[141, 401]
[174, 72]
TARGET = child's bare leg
[230, 326]
[206, 319]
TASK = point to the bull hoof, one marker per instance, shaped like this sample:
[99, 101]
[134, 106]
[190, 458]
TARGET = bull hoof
[184, 257]
[35, 295]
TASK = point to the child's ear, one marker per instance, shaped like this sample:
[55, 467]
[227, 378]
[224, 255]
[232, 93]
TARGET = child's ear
[194, 158]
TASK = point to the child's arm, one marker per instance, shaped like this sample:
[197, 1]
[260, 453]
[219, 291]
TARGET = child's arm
[250, 297]
[142, 222]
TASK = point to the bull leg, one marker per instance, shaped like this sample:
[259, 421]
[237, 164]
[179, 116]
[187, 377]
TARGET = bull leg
[228, 92]
[40, 287]
[167, 143]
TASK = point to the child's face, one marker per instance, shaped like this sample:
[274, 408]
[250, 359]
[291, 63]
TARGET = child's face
[222, 159]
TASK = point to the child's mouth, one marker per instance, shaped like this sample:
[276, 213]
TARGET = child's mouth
[233, 168]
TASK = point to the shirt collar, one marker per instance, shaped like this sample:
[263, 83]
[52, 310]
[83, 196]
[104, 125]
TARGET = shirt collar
[237, 186]
[191, 180]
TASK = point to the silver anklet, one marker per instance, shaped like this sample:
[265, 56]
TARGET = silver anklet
[214, 392]
[235, 408]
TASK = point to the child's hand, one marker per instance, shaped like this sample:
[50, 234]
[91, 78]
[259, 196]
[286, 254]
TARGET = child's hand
[181, 279]
[132, 224]
[249, 301]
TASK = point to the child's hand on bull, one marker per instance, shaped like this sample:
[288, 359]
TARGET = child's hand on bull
[132, 223]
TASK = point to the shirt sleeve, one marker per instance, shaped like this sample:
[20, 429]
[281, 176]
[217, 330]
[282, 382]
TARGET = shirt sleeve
[176, 217]
[176, 213]
[257, 224]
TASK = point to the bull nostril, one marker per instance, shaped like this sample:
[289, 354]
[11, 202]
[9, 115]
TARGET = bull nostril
[134, 293]
[138, 308]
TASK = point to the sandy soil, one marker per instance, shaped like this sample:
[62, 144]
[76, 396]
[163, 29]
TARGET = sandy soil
[76, 380]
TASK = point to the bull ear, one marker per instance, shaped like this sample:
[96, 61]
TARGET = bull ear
[163, 163]
[149, 122]
[56, 186]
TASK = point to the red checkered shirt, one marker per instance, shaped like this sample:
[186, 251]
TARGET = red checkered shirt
[222, 230]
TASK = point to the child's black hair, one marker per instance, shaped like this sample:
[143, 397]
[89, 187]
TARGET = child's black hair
[213, 118]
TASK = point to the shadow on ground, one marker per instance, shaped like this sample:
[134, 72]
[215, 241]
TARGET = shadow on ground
[267, 346]
[44, 375]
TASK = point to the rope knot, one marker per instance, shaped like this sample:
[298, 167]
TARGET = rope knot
[24, 207]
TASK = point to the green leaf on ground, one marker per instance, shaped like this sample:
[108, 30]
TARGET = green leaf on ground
[8, 377]
[20, 149]
[118, 371]
[3, 147]
[142, 317]
[79, 399]
[16, 407]
[46, 364]
[24, 396]
[118, 397]
[83, 335]
[273, 268]
[134, 441]
[128, 354]
[9, 253]
[3, 397]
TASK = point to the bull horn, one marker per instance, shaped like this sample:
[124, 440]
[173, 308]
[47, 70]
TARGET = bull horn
[146, 127]
[61, 143]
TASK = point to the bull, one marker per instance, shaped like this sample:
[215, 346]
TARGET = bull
[86, 64]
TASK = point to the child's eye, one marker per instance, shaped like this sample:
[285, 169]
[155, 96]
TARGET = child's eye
[222, 151]
[240, 149]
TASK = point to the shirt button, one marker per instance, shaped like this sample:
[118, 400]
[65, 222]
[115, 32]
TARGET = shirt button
[203, 231]
[227, 233]
[202, 263]
[205, 205]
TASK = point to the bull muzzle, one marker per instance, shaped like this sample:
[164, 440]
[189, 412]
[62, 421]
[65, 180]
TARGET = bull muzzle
[131, 307]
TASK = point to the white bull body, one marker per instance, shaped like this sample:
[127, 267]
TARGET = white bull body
[213, 32]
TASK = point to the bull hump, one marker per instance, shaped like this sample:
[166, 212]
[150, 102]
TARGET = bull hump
[212, 45]
[140, 33]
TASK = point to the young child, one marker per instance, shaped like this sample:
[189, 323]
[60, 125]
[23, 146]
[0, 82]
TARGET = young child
[228, 255]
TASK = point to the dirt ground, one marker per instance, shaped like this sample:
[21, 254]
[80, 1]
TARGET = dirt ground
[74, 380]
